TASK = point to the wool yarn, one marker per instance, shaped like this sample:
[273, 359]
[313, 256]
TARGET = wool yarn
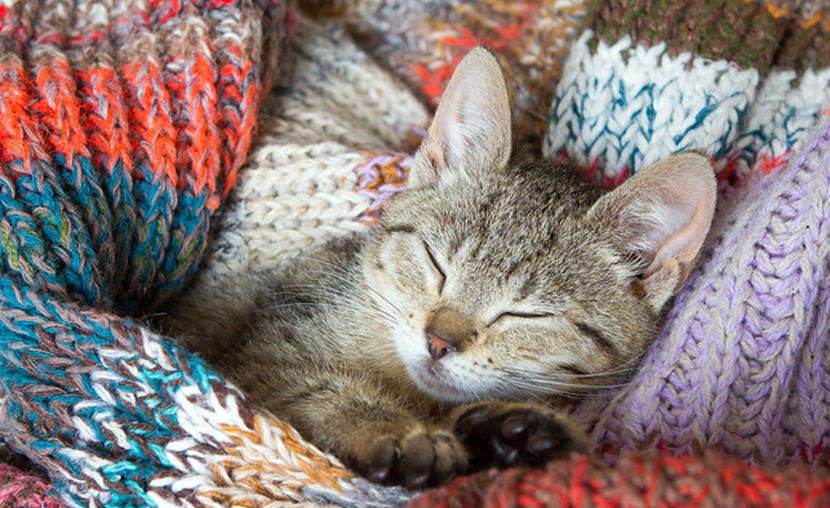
[650, 479]
[18, 489]
[120, 416]
[423, 41]
[333, 147]
[742, 81]
[124, 146]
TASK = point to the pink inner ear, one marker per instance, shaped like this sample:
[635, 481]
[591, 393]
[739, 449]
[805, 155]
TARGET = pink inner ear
[435, 156]
[684, 245]
[470, 132]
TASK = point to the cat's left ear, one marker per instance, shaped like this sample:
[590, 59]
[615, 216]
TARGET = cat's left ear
[657, 222]
[471, 131]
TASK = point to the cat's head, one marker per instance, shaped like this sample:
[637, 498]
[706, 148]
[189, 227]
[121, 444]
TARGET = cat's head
[504, 278]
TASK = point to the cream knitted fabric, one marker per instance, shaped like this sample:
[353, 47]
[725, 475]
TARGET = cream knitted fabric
[301, 184]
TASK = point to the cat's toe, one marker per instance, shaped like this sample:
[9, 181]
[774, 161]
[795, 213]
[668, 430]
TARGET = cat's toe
[544, 444]
[503, 453]
[430, 458]
[450, 458]
[418, 459]
[376, 465]
[506, 435]
[538, 437]
[414, 468]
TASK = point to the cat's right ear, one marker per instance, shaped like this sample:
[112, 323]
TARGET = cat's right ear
[471, 131]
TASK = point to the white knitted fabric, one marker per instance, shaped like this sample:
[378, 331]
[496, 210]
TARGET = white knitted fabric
[786, 108]
[633, 105]
[628, 106]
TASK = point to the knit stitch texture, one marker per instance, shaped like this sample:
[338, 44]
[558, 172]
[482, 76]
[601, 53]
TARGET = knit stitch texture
[742, 81]
[123, 127]
[25, 491]
[123, 131]
[743, 364]
[647, 479]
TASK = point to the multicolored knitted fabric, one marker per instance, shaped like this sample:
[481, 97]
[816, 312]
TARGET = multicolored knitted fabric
[741, 80]
[333, 147]
[423, 41]
[127, 123]
[18, 489]
[123, 125]
[646, 479]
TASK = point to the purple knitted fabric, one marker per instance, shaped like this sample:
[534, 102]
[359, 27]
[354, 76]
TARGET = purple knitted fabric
[743, 363]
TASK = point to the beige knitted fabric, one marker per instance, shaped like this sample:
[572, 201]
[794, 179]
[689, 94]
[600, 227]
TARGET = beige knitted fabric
[299, 187]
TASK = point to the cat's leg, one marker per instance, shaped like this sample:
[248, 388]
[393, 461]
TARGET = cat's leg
[372, 431]
[505, 434]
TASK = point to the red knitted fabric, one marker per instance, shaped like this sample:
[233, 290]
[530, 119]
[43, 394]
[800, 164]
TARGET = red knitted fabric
[639, 480]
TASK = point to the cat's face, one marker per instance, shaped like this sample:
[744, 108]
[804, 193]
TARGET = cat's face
[515, 281]
[504, 279]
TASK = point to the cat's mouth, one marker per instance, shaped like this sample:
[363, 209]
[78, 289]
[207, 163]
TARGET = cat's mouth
[432, 374]
[436, 380]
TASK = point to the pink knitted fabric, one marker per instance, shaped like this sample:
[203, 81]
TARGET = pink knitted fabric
[18, 489]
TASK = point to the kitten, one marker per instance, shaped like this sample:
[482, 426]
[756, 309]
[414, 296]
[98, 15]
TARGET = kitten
[424, 350]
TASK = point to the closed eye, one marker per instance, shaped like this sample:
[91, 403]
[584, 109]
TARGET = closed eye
[437, 267]
[520, 315]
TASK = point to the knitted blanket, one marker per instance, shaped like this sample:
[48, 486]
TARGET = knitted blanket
[125, 124]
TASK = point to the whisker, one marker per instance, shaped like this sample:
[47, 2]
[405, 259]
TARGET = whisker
[326, 295]
[342, 275]
[528, 379]
[286, 305]
[554, 391]
[623, 367]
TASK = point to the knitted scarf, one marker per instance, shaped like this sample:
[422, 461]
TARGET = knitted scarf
[125, 125]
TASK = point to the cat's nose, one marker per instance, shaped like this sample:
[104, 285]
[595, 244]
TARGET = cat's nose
[438, 346]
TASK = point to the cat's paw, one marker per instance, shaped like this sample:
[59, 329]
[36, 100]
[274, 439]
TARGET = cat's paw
[416, 458]
[516, 434]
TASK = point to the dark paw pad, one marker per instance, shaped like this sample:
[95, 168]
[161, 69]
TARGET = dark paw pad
[516, 436]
